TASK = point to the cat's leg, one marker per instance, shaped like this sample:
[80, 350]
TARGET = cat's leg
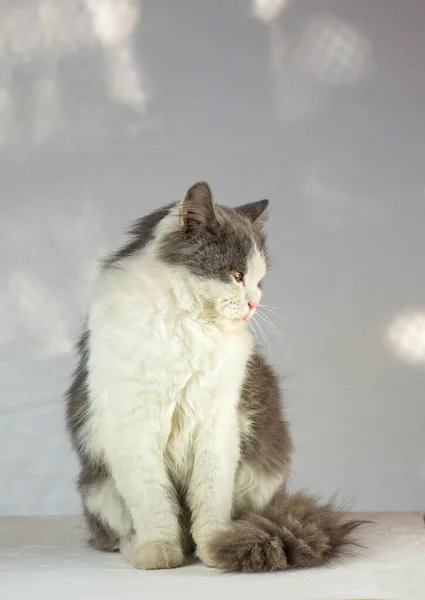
[134, 445]
[107, 518]
[255, 487]
[210, 492]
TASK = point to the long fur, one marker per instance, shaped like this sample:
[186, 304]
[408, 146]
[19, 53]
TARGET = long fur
[176, 417]
[293, 531]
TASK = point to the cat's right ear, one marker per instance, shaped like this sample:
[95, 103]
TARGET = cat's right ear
[197, 208]
[256, 212]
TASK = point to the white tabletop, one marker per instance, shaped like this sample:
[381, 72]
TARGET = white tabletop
[46, 558]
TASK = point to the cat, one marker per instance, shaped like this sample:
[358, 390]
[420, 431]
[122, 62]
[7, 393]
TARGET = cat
[174, 413]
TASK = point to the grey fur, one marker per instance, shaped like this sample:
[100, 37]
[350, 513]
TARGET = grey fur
[213, 237]
[101, 536]
[269, 446]
[77, 401]
[256, 212]
[92, 472]
[141, 233]
[292, 531]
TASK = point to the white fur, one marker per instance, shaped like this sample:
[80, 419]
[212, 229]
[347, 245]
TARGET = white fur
[105, 502]
[254, 274]
[253, 489]
[165, 374]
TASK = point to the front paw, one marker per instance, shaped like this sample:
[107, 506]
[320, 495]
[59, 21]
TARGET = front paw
[204, 545]
[153, 555]
[204, 553]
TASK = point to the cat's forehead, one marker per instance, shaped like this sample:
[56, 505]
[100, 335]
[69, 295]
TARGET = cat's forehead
[230, 217]
[233, 238]
[240, 229]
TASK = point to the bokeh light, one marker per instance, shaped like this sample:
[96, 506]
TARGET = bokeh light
[406, 336]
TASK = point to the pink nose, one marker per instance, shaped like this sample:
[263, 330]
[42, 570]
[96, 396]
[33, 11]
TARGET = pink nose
[252, 305]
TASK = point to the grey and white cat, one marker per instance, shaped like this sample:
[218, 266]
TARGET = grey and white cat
[174, 413]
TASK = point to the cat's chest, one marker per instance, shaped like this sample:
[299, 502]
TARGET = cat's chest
[186, 361]
[152, 354]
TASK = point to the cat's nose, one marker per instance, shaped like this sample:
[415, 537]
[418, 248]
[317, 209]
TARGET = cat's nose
[252, 305]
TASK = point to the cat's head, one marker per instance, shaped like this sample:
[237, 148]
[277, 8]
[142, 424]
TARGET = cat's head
[224, 252]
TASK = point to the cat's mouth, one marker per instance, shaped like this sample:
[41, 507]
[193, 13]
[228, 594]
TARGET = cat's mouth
[251, 312]
[243, 319]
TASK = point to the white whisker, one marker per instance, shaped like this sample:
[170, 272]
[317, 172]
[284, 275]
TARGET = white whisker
[263, 335]
[254, 331]
[273, 312]
[271, 326]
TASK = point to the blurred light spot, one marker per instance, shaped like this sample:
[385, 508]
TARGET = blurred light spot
[296, 96]
[328, 52]
[6, 115]
[124, 82]
[334, 52]
[31, 29]
[406, 336]
[114, 23]
[40, 101]
[49, 275]
[35, 306]
[114, 20]
[268, 10]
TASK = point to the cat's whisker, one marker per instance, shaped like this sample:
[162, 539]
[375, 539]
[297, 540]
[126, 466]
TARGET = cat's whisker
[264, 337]
[255, 332]
[271, 326]
[270, 306]
[273, 312]
[274, 328]
[262, 323]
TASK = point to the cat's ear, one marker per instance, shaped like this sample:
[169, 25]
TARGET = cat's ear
[197, 208]
[256, 212]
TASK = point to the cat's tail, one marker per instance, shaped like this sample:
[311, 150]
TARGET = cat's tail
[293, 531]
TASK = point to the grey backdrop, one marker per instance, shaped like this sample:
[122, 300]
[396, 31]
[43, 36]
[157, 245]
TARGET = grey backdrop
[109, 108]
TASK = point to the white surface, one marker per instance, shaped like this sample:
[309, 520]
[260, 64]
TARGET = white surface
[45, 558]
[109, 108]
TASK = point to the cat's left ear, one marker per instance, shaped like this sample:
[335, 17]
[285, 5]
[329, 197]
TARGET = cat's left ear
[197, 208]
[256, 212]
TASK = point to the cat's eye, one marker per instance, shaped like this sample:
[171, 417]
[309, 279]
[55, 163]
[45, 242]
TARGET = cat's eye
[237, 275]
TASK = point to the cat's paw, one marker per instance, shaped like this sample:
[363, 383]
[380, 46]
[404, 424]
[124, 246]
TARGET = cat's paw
[205, 555]
[204, 550]
[153, 555]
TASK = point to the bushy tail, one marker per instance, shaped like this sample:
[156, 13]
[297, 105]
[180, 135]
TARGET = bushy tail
[293, 531]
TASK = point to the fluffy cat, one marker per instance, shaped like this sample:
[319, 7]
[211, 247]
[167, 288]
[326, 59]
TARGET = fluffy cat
[174, 413]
